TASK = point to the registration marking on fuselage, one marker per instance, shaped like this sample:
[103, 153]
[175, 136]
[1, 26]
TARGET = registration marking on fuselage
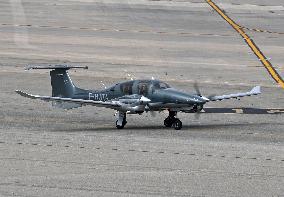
[98, 96]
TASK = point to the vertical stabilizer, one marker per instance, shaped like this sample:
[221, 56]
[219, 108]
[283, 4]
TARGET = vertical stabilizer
[61, 84]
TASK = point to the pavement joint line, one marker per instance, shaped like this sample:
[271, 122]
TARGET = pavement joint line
[141, 31]
[269, 67]
[140, 166]
[116, 30]
[162, 152]
[261, 30]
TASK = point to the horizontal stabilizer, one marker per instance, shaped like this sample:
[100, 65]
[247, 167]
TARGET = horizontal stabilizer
[57, 66]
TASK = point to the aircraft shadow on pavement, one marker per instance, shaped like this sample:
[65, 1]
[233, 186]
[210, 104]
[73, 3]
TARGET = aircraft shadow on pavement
[111, 128]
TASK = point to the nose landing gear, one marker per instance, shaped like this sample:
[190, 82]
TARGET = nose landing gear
[171, 120]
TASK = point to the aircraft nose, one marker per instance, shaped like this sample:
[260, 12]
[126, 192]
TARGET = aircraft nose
[190, 99]
[172, 95]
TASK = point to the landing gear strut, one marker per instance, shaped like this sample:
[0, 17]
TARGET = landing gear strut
[121, 120]
[171, 120]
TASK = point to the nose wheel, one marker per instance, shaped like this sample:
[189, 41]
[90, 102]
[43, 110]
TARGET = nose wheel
[172, 121]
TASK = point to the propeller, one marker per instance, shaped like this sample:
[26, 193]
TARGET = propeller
[197, 115]
[153, 113]
[198, 93]
[197, 90]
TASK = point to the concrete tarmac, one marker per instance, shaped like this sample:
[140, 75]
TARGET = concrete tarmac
[52, 152]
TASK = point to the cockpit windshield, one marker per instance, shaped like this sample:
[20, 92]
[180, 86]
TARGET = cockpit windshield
[160, 85]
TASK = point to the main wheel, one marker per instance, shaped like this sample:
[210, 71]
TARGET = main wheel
[177, 124]
[120, 126]
[168, 122]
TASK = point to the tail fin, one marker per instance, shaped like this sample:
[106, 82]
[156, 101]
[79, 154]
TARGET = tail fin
[61, 83]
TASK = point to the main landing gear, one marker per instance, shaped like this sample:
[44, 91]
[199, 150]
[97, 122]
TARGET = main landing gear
[121, 120]
[171, 120]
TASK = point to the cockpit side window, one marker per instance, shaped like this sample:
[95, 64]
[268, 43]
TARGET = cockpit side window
[126, 88]
[143, 88]
[160, 85]
[163, 85]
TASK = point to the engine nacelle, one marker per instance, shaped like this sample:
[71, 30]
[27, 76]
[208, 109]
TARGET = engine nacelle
[138, 109]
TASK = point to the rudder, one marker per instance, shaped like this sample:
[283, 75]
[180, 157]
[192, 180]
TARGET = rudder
[61, 84]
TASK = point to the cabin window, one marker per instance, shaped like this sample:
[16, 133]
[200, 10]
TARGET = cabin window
[160, 85]
[126, 88]
[143, 88]
[164, 85]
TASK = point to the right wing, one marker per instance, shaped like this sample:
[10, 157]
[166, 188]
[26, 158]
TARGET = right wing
[243, 110]
[254, 91]
[108, 104]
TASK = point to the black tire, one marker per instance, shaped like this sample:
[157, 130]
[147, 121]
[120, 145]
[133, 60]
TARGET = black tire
[177, 124]
[168, 122]
[120, 126]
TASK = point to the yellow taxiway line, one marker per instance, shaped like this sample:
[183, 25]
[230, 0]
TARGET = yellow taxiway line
[266, 63]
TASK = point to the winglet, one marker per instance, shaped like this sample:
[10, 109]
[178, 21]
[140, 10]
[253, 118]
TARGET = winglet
[20, 92]
[256, 90]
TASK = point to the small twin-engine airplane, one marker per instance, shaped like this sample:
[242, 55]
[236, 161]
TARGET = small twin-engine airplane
[130, 97]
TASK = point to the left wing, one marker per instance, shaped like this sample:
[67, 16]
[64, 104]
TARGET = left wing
[108, 104]
[254, 91]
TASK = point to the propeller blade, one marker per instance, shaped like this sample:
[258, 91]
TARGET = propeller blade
[197, 115]
[197, 90]
[153, 113]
